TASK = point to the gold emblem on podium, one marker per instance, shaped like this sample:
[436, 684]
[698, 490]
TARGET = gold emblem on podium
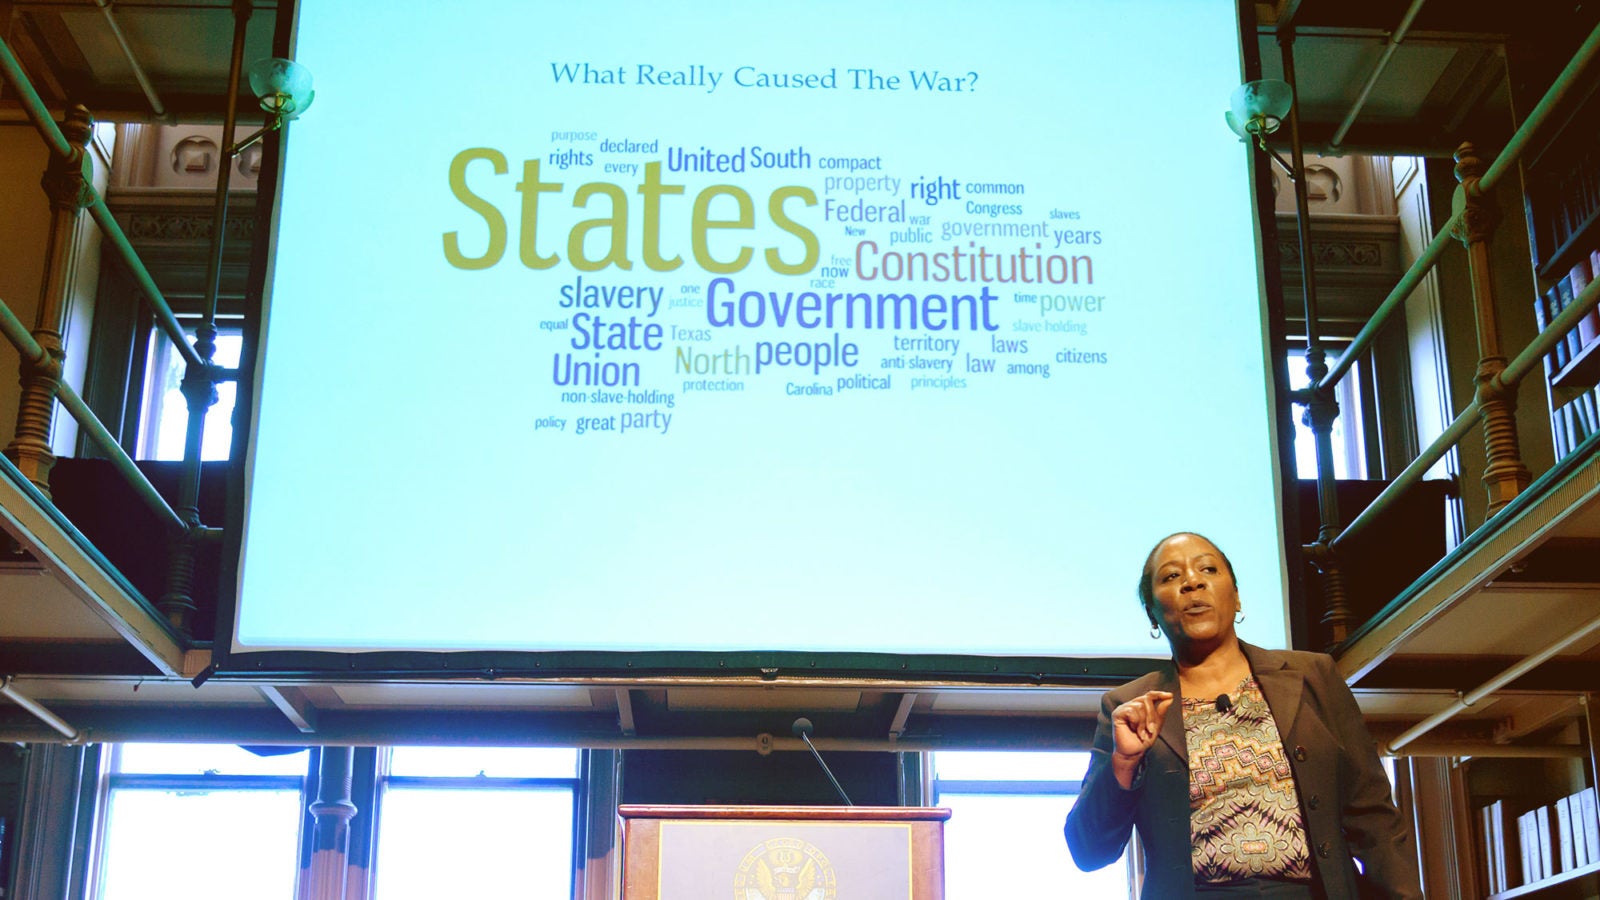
[784, 869]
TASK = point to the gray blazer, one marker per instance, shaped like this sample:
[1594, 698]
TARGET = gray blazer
[1344, 793]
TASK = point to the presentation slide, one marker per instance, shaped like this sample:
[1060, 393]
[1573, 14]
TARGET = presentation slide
[819, 327]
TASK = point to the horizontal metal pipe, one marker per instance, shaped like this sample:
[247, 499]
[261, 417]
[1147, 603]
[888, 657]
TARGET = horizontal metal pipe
[38, 712]
[119, 458]
[1402, 290]
[158, 303]
[1389, 49]
[360, 737]
[1413, 473]
[1564, 84]
[1498, 169]
[31, 102]
[51, 132]
[1553, 334]
[1498, 751]
[29, 348]
[1472, 697]
[133, 61]
[20, 336]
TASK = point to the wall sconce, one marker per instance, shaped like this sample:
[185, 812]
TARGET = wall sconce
[1257, 109]
[284, 87]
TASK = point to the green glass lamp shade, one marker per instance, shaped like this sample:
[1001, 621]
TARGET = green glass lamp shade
[1259, 107]
[283, 85]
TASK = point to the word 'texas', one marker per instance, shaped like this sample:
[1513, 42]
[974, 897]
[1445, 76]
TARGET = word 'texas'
[616, 222]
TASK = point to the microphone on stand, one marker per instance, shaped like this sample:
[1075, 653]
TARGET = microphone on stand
[802, 729]
[1224, 703]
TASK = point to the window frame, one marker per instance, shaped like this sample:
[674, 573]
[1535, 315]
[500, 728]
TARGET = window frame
[1356, 394]
[1032, 787]
[111, 780]
[577, 786]
[145, 405]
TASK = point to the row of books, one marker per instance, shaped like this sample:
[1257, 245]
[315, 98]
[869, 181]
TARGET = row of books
[1574, 198]
[1541, 843]
[1576, 420]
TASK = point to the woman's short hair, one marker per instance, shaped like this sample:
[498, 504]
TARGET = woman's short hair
[1147, 592]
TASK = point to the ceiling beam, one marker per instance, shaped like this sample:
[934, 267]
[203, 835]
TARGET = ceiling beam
[264, 724]
[625, 712]
[294, 704]
[897, 727]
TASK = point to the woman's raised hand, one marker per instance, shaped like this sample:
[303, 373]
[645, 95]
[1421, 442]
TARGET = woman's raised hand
[1136, 723]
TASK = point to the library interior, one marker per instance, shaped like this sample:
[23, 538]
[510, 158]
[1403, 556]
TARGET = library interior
[313, 586]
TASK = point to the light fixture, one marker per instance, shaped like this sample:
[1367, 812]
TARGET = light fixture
[284, 87]
[1258, 108]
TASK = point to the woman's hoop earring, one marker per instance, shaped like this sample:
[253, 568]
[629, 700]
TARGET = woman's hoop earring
[1155, 633]
[1239, 618]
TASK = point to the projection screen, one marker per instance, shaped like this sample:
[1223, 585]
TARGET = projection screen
[901, 327]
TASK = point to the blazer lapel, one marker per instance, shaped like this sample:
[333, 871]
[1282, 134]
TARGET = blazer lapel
[1280, 684]
[1172, 727]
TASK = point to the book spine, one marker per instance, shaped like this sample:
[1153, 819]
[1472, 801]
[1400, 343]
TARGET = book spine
[1561, 853]
[1588, 326]
[1528, 841]
[1580, 831]
[1564, 297]
[1591, 823]
[1501, 880]
[1545, 862]
[1563, 348]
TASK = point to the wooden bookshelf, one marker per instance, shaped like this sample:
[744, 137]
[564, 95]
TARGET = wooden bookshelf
[1580, 882]
[1562, 204]
[1582, 373]
[1584, 238]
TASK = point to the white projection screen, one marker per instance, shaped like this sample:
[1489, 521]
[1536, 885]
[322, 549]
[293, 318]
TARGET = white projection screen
[815, 327]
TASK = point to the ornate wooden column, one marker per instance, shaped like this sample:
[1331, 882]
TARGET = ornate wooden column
[1504, 475]
[67, 186]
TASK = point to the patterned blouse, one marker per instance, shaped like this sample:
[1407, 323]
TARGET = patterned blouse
[1244, 814]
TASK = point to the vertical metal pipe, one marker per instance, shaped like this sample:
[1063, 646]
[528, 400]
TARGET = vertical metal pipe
[199, 381]
[1322, 408]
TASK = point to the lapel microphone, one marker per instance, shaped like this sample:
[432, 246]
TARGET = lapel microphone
[1223, 704]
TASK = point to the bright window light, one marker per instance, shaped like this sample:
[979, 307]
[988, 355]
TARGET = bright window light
[1012, 806]
[236, 815]
[519, 845]
[966, 765]
[165, 415]
[1348, 454]
[196, 759]
[245, 843]
[986, 829]
[490, 762]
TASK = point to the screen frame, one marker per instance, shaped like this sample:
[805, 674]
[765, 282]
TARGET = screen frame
[378, 665]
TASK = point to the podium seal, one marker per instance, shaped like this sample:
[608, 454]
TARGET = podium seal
[784, 869]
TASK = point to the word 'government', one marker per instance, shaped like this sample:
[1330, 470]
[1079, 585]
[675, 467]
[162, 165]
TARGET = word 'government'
[726, 306]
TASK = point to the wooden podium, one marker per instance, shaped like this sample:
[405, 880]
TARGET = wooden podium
[783, 852]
